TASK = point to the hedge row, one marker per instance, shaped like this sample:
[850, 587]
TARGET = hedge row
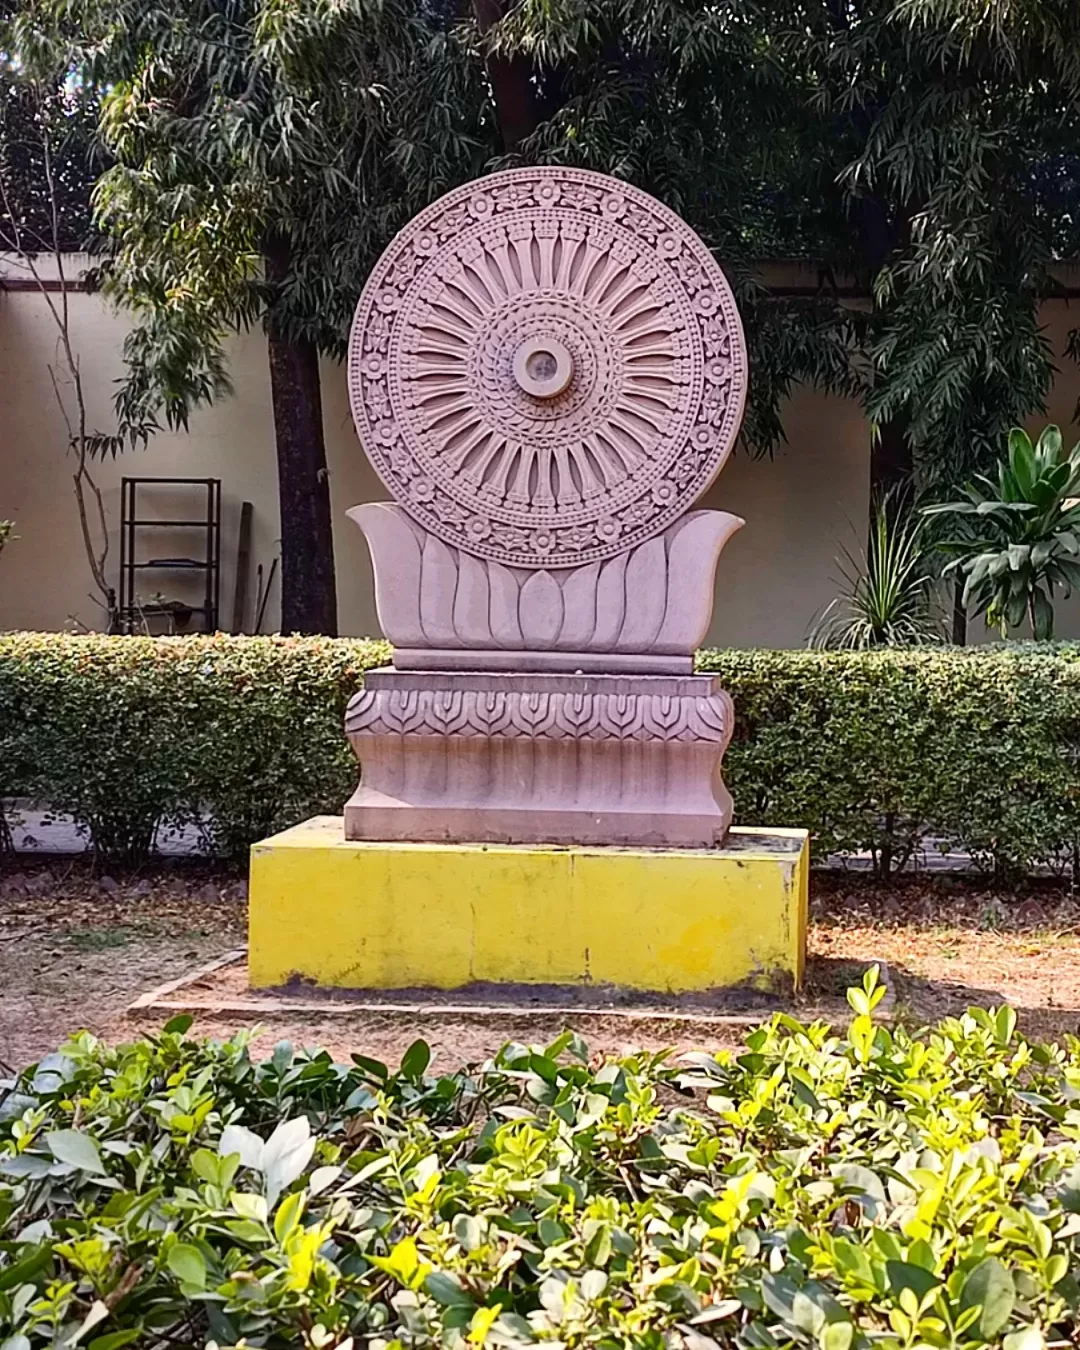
[892, 751]
[240, 735]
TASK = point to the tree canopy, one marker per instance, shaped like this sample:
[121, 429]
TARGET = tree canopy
[263, 151]
[260, 154]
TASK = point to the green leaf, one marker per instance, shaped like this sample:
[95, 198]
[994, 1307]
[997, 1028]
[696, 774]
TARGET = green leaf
[469, 1231]
[990, 1287]
[837, 1336]
[1004, 1025]
[593, 1284]
[113, 1340]
[715, 1312]
[375, 1067]
[1022, 459]
[1068, 541]
[26, 1270]
[76, 1149]
[1019, 554]
[803, 1088]
[908, 1275]
[178, 1025]
[323, 1178]
[205, 1165]
[1042, 617]
[187, 1264]
[242, 1143]
[288, 1215]
[402, 1263]
[416, 1059]
[447, 1290]
[1030, 1338]
[853, 1177]
[1050, 442]
[252, 1207]
[286, 1154]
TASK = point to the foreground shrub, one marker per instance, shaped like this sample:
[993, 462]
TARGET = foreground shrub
[978, 749]
[878, 1189]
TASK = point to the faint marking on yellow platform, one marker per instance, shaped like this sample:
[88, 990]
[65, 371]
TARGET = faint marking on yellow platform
[396, 916]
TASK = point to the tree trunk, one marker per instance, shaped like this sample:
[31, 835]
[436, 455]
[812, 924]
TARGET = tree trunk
[516, 102]
[880, 233]
[959, 613]
[308, 592]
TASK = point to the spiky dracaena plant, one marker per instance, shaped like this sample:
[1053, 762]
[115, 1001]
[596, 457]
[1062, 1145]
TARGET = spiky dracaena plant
[886, 597]
[1018, 538]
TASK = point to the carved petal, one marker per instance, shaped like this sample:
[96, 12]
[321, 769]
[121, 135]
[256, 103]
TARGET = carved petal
[471, 618]
[646, 596]
[540, 610]
[610, 605]
[505, 628]
[395, 560]
[438, 586]
[579, 608]
[694, 546]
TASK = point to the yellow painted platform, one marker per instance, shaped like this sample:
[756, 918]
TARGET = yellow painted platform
[444, 916]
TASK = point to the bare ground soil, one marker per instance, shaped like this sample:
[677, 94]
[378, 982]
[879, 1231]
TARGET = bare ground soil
[78, 946]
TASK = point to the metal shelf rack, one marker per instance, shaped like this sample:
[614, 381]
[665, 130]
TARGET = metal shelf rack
[133, 616]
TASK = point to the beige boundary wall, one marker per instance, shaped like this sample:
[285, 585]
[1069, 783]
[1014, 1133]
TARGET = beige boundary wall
[801, 507]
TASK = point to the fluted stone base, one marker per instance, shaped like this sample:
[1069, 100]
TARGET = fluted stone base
[477, 757]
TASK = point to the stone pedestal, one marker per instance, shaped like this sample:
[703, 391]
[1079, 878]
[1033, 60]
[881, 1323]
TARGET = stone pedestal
[546, 371]
[396, 916]
[629, 760]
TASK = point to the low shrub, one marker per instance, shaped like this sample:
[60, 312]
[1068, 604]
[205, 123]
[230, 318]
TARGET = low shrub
[974, 749]
[890, 751]
[877, 1189]
[130, 735]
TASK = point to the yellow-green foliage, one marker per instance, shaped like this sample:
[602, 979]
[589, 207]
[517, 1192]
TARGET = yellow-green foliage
[879, 750]
[879, 1190]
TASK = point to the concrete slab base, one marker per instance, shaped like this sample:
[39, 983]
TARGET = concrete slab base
[337, 913]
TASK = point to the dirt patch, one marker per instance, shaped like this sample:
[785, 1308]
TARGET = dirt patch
[954, 941]
[78, 947]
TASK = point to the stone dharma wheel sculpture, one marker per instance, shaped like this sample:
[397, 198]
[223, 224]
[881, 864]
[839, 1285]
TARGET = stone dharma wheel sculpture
[546, 370]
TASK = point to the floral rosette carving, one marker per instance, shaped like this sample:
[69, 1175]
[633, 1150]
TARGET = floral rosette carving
[621, 309]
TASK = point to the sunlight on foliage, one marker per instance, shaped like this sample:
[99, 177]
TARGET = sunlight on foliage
[885, 601]
[1019, 535]
[815, 1189]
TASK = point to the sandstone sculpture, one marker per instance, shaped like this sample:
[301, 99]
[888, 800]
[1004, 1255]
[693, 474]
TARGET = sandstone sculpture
[546, 370]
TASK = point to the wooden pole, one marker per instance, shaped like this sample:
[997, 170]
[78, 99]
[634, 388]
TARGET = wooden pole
[243, 566]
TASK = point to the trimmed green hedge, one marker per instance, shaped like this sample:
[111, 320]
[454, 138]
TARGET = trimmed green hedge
[126, 733]
[973, 749]
[976, 748]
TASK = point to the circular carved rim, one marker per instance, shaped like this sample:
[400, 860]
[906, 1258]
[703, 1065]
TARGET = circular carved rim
[547, 367]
